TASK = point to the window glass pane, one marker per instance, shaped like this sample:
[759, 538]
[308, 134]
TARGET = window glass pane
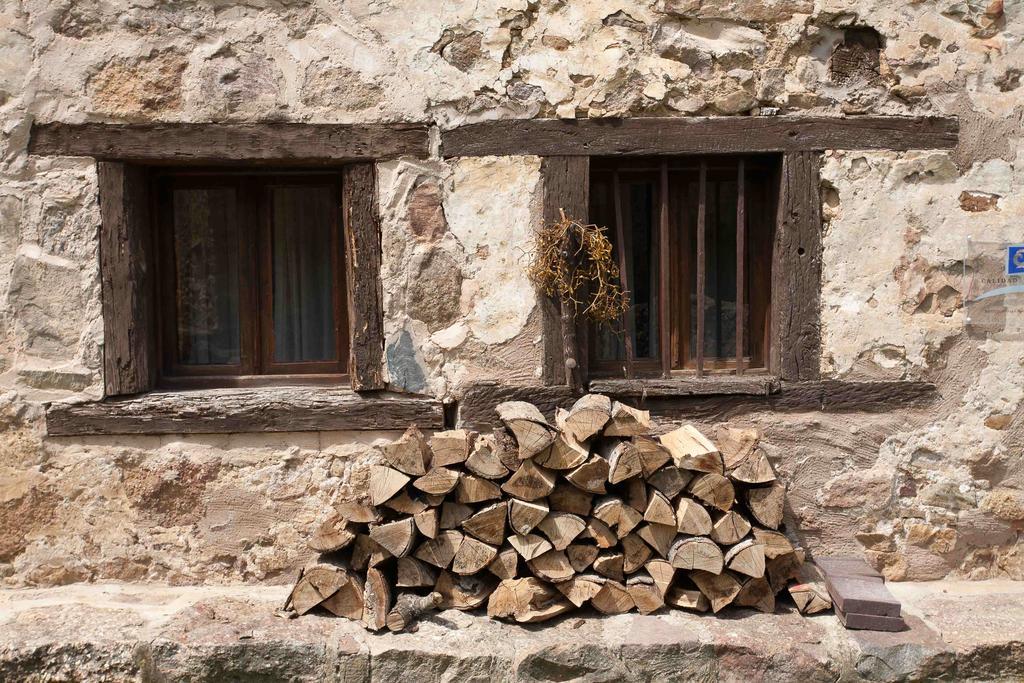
[303, 273]
[641, 228]
[206, 248]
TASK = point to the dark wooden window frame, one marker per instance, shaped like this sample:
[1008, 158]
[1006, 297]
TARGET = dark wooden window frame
[257, 365]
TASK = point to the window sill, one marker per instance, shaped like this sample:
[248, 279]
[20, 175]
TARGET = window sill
[221, 411]
[709, 385]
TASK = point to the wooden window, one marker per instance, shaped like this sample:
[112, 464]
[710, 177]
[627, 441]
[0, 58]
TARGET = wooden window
[687, 230]
[251, 275]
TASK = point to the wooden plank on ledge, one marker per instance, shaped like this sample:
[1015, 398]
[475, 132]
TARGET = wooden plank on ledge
[709, 385]
[697, 135]
[221, 411]
[230, 142]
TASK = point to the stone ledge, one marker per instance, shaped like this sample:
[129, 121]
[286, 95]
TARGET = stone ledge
[960, 631]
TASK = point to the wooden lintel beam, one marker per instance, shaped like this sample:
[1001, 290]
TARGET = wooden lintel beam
[693, 135]
[291, 143]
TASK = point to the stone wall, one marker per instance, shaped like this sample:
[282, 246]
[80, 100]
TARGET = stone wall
[926, 492]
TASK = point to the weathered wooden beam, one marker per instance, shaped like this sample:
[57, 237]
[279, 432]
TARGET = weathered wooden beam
[230, 142]
[476, 408]
[711, 135]
[709, 385]
[220, 411]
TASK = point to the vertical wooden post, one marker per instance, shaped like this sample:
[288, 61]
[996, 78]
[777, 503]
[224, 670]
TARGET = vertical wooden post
[665, 314]
[741, 259]
[701, 266]
[620, 238]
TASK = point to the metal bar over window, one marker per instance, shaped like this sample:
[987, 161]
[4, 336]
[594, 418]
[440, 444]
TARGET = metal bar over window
[741, 218]
[664, 331]
[620, 237]
[701, 266]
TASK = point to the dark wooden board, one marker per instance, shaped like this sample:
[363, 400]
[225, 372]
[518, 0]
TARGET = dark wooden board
[708, 385]
[476, 408]
[230, 142]
[220, 411]
[847, 565]
[693, 135]
[855, 595]
[362, 263]
[796, 270]
[126, 276]
[870, 622]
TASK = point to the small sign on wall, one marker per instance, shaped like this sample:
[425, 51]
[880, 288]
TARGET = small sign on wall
[994, 297]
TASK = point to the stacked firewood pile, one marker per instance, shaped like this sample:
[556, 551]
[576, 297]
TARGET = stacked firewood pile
[537, 519]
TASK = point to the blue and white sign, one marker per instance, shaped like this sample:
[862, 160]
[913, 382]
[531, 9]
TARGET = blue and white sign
[1015, 260]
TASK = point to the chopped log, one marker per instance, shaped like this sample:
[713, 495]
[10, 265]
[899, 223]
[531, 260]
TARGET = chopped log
[636, 495]
[439, 480]
[506, 564]
[475, 490]
[440, 551]
[613, 598]
[484, 461]
[775, 543]
[552, 566]
[600, 532]
[658, 536]
[697, 553]
[454, 514]
[347, 601]
[756, 593]
[530, 482]
[504, 446]
[586, 418]
[385, 483]
[451, 447]
[783, 568]
[627, 421]
[617, 515]
[735, 444]
[730, 528]
[357, 513]
[395, 537]
[376, 600]
[766, 504]
[646, 596]
[525, 516]
[635, 554]
[590, 476]
[755, 469]
[366, 552]
[427, 522]
[405, 504]
[662, 572]
[810, 594]
[670, 480]
[563, 454]
[409, 454]
[659, 510]
[463, 592]
[489, 524]
[610, 563]
[579, 589]
[410, 607]
[529, 545]
[334, 533]
[531, 430]
[526, 600]
[692, 518]
[566, 498]
[317, 583]
[746, 558]
[623, 459]
[581, 557]
[653, 456]
[691, 450]
[473, 556]
[413, 573]
[433, 500]
[714, 490]
[561, 528]
[720, 589]
[688, 599]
